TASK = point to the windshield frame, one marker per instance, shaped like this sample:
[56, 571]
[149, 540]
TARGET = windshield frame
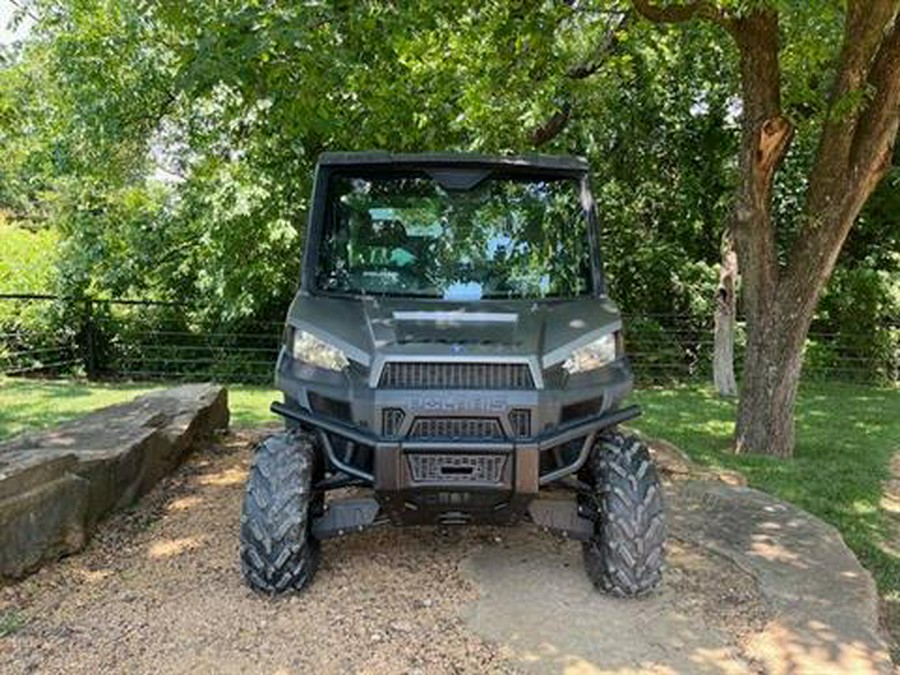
[320, 210]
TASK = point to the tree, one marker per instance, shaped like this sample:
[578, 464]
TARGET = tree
[235, 99]
[725, 318]
[855, 120]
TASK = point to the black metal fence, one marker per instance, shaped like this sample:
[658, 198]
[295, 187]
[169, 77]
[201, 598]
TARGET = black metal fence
[46, 336]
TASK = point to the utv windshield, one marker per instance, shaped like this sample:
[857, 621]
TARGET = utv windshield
[457, 235]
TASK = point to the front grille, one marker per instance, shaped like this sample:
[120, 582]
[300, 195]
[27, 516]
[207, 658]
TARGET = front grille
[455, 375]
[484, 428]
[428, 468]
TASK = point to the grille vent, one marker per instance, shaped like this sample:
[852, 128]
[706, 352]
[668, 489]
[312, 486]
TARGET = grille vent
[520, 420]
[391, 419]
[427, 468]
[455, 375]
[485, 428]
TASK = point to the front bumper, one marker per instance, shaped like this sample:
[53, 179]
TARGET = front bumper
[455, 481]
[388, 448]
[447, 473]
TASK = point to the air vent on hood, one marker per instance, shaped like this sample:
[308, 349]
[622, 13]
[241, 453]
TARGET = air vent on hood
[418, 339]
[458, 317]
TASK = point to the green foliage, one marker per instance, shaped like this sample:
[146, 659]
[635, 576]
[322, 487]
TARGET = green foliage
[858, 322]
[27, 258]
[11, 622]
[27, 266]
[26, 139]
[859, 315]
[171, 144]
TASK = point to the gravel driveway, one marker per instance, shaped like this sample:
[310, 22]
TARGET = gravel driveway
[159, 590]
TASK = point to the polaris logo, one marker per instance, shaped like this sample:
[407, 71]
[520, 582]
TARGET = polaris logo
[444, 403]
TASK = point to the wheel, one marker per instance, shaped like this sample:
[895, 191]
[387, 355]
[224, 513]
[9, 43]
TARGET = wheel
[278, 552]
[625, 555]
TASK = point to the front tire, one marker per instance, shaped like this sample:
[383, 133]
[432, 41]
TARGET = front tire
[625, 555]
[278, 552]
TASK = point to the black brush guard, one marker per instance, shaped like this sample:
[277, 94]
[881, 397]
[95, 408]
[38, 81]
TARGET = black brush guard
[502, 496]
[586, 428]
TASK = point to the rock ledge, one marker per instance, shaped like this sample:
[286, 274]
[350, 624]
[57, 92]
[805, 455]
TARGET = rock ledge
[55, 485]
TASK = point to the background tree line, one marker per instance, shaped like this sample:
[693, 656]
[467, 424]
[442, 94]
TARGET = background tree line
[169, 145]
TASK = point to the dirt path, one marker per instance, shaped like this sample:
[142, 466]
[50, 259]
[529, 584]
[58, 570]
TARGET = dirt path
[159, 590]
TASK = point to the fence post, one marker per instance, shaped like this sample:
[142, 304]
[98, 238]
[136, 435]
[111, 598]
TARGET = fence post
[90, 353]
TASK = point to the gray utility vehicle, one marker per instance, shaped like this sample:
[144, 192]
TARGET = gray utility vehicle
[453, 350]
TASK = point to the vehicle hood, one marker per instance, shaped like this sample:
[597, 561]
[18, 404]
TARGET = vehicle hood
[370, 328]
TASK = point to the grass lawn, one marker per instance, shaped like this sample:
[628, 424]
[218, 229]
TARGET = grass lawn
[846, 436]
[36, 404]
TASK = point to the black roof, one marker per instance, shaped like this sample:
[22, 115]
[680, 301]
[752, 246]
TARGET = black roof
[553, 162]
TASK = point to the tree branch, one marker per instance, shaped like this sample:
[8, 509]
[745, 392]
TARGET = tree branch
[835, 202]
[679, 13]
[22, 7]
[877, 127]
[864, 33]
[555, 124]
[765, 138]
[606, 47]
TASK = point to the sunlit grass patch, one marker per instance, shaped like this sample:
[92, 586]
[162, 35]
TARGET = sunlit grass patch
[11, 622]
[846, 437]
[30, 405]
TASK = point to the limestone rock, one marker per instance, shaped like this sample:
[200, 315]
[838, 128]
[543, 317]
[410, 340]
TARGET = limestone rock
[56, 485]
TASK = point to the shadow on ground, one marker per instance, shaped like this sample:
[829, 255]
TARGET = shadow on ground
[847, 437]
[159, 590]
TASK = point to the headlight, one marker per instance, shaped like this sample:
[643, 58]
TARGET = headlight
[597, 354]
[308, 348]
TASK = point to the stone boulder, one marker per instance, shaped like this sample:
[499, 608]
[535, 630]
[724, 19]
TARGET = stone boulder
[55, 485]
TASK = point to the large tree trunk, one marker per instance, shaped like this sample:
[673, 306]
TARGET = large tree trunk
[780, 299]
[726, 310]
[854, 152]
[765, 421]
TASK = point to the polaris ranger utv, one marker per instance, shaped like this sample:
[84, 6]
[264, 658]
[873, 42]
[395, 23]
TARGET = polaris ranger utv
[452, 351]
